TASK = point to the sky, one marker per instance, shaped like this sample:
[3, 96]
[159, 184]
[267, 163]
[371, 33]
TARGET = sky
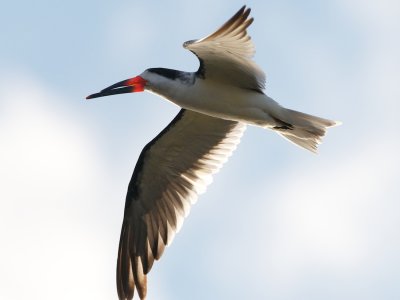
[277, 223]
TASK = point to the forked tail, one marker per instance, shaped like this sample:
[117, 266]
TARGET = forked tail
[302, 129]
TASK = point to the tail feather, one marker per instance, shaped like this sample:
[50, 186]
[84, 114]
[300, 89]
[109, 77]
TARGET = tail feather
[306, 144]
[305, 130]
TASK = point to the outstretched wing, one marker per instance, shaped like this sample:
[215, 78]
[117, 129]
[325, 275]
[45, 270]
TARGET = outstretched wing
[226, 54]
[171, 171]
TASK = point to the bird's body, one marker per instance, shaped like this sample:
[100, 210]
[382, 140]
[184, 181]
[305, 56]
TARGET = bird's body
[217, 101]
[223, 100]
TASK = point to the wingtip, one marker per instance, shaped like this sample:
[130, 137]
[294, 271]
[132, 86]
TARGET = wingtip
[244, 12]
[247, 11]
[337, 123]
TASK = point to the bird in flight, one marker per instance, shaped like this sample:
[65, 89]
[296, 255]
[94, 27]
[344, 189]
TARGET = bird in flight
[217, 102]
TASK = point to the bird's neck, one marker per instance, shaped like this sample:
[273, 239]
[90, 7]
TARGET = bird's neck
[169, 84]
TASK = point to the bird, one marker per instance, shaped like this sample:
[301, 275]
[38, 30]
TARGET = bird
[217, 103]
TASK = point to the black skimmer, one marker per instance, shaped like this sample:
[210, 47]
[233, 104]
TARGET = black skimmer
[217, 101]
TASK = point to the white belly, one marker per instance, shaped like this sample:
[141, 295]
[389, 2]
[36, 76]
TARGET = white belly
[226, 102]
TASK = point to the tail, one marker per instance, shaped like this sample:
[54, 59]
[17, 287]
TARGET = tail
[302, 129]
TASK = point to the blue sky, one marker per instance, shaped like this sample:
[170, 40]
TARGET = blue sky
[277, 223]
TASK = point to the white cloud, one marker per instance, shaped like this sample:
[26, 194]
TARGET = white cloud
[53, 244]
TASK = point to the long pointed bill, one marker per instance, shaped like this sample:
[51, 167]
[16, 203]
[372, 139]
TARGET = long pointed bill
[132, 85]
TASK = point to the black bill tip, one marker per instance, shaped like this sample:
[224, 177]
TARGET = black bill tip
[112, 91]
[96, 95]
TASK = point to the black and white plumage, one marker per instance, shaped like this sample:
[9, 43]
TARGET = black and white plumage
[218, 101]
